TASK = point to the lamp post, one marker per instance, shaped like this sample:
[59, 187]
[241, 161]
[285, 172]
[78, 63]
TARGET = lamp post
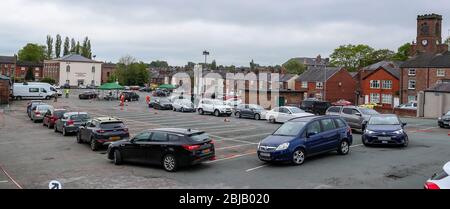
[93, 76]
[205, 53]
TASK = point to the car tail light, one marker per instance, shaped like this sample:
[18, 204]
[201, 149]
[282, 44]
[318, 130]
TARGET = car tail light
[37, 113]
[212, 141]
[191, 147]
[213, 158]
[70, 122]
[431, 186]
[100, 131]
[125, 129]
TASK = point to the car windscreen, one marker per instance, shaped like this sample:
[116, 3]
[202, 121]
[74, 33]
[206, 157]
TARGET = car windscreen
[448, 113]
[367, 111]
[112, 125]
[256, 107]
[199, 137]
[290, 129]
[384, 120]
[43, 107]
[79, 117]
[59, 114]
[296, 110]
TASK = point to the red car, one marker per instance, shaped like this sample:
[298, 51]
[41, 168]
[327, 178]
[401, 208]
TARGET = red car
[52, 116]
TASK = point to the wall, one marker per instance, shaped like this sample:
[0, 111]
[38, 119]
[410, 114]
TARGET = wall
[435, 104]
[425, 78]
[80, 70]
[381, 75]
[341, 86]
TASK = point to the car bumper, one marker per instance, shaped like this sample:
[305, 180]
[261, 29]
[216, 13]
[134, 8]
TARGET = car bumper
[275, 156]
[108, 139]
[195, 159]
[71, 129]
[444, 123]
[379, 139]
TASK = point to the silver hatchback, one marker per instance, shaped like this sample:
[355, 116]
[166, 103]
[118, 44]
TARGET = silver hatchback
[353, 115]
[38, 112]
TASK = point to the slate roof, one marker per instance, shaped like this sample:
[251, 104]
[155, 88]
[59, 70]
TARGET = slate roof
[310, 61]
[442, 87]
[75, 58]
[315, 74]
[7, 59]
[428, 60]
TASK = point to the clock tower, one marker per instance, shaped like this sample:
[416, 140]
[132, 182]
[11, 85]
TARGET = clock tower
[429, 35]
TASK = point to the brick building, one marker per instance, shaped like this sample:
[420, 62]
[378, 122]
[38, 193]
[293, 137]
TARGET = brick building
[330, 84]
[23, 67]
[107, 70]
[7, 65]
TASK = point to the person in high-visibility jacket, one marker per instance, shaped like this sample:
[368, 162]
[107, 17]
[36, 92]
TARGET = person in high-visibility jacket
[122, 99]
[66, 92]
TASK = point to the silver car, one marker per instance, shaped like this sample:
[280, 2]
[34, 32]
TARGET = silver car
[38, 112]
[353, 115]
[183, 105]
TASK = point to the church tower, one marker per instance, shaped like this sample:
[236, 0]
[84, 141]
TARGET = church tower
[429, 35]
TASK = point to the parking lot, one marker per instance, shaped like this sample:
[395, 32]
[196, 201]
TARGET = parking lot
[32, 155]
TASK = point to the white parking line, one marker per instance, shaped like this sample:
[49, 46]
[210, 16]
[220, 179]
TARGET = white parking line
[424, 129]
[255, 168]
[232, 157]
[4, 181]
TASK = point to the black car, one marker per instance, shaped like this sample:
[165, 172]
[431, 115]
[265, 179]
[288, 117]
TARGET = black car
[88, 95]
[315, 106]
[102, 131]
[250, 111]
[160, 103]
[169, 147]
[130, 96]
[444, 120]
[145, 89]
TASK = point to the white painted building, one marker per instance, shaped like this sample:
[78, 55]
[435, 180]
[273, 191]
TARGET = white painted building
[74, 69]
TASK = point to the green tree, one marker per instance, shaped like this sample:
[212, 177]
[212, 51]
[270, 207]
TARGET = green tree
[159, 64]
[29, 76]
[89, 50]
[83, 50]
[49, 47]
[73, 46]
[380, 55]
[213, 65]
[130, 72]
[447, 41]
[78, 48]
[352, 57]
[190, 65]
[48, 80]
[112, 77]
[66, 46]
[402, 52]
[252, 65]
[294, 67]
[32, 53]
[58, 46]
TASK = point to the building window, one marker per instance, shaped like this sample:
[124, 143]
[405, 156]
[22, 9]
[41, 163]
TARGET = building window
[438, 81]
[387, 84]
[93, 69]
[412, 84]
[411, 98]
[412, 72]
[440, 72]
[386, 98]
[304, 84]
[374, 84]
[374, 98]
[319, 85]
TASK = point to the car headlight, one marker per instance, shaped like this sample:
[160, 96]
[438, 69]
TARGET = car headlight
[283, 146]
[439, 118]
[259, 144]
[369, 131]
[398, 132]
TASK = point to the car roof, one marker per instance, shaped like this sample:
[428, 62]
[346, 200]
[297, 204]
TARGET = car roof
[313, 117]
[60, 110]
[447, 167]
[107, 119]
[384, 115]
[76, 113]
[178, 130]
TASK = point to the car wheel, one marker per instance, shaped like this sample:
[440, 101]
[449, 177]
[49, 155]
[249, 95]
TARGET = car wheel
[272, 119]
[257, 117]
[169, 163]
[174, 109]
[49, 126]
[79, 141]
[94, 145]
[344, 148]
[200, 111]
[181, 110]
[117, 157]
[406, 142]
[47, 98]
[298, 157]
[64, 132]
[216, 113]
[19, 98]
[238, 114]
[56, 129]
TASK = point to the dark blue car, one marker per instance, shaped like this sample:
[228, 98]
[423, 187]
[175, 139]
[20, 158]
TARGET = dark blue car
[303, 137]
[384, 129]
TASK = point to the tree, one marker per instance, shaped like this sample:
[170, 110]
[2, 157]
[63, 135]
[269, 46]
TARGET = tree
[83, 49]
[402, 52]
[159, 64]
[48, 80]
[77, 48]
[447, 41]
[112, 77]
[58, 46]
[89, 50]
[32, 53]
[29, 76]
[130, 72]
[73, 46]
[49, 47]
[380, 55]
[352, 57]
[213, 65]
[190, 65]
[66, 46]
[294, 67]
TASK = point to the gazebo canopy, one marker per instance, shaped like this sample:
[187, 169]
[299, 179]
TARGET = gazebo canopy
[167, 86]
[110, 86]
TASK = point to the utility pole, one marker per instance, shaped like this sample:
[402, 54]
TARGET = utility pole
[205, 53]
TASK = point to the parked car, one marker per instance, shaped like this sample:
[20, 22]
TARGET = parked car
[233, 102]
[102, 131]
[135, 87]
[131, 96]
[304, 137]
[161, 93]
[315, 106]
[38, 112]
[354, 116]
[408, 106]
[370, 105]
[440, 180]
[66, 86]
[70, 122]
[169, 147]
[342, 102]
[33, 104]
[82, 86]
[183, 105]
[52, 116]
[384, 129]
[32, 91]
[90, 86]
[160, 103]
[285, 113]
[250, 111]
[145, 89]
[444, 120]
[216, 107]
[88, 95]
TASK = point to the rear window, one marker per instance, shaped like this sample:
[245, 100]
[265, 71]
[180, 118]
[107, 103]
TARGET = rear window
[43, 107]
[112, 125]
[439, 176]
[79, 117]
[334, 109]
[199, 137]
[59, 114]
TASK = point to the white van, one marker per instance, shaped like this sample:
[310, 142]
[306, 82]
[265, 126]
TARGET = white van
[52, 87]
[31, 91]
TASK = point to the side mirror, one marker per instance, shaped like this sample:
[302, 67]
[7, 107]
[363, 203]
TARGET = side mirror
[363, 125]
[358, 114]
[310, 134]
[404, 124]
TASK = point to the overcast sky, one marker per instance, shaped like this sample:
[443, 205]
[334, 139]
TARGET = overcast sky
[234, 31]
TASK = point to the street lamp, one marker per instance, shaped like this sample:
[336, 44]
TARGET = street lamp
[93, 76]
[205, 53]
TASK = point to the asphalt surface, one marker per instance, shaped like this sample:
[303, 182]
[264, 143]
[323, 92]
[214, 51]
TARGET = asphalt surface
[32, 155]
